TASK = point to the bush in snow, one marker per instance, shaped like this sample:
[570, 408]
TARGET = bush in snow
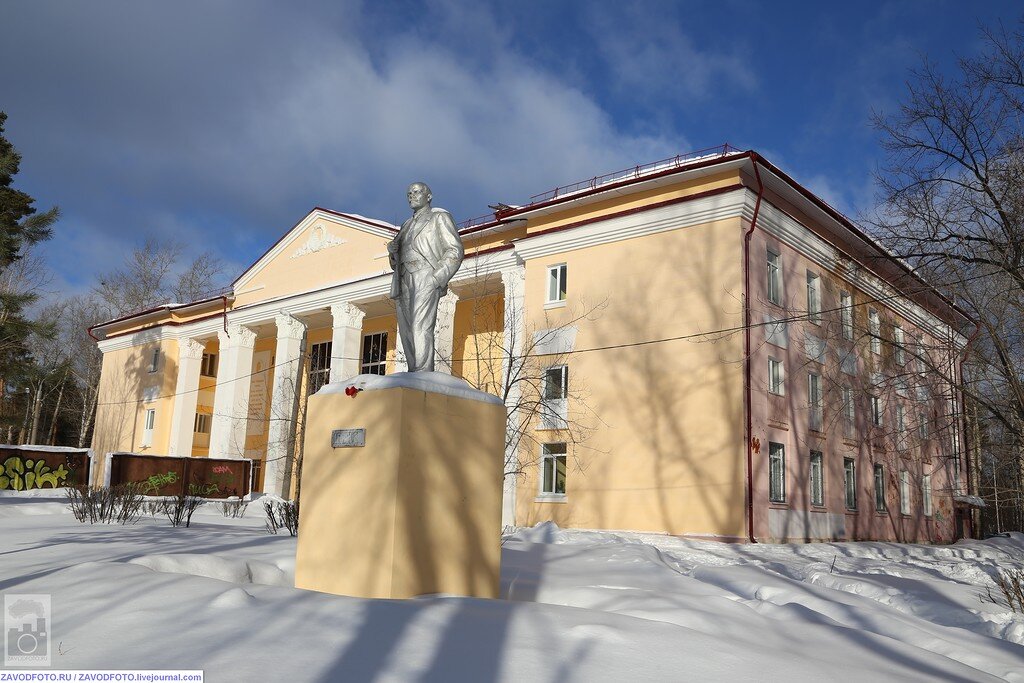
[121, 504]
[179, 508]
[234, 508]
[282, 514]
[1011, 585]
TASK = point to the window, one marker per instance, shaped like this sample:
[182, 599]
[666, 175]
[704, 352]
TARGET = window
[846, 309]
[556, 283]
[875, 330]
[956, 473]
[880, 488]
[926, 494]
[554, 469]
[775, 331]
[774, 278]
[154, 362]
[919, 354]
[375, 353]
[319, 366]
[898, 345]
[922, 425]
[876, 411]
[850, 483]
[147, 431]
[901, 426]
[556, 382]
[776, 377]
[209, 365]
[849, 413]
[202, 425]
[814, 348]
[817, 479]
[904, 492]
[848, 362]
[813, 298]
[554, 405]
[776, 472]
[814, 401]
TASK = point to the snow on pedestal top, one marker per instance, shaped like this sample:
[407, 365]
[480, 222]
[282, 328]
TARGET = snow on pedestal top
[433, 382]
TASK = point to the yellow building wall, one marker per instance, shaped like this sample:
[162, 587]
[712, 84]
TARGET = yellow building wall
[478, 342]
[122, 401]
[204, 402]
[665, 420]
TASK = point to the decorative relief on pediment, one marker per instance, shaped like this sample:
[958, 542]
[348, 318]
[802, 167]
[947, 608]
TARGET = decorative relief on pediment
[318, 240]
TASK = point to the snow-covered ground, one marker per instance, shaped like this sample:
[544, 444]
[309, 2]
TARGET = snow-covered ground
[582, 606]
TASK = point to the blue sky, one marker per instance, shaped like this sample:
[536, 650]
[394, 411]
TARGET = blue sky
[222, 123]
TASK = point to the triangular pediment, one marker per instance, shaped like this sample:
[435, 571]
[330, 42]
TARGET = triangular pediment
[324, 247]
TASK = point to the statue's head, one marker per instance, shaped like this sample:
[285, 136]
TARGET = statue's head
[419, 195]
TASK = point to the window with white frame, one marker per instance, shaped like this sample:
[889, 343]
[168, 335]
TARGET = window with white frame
[202, 424]
[848, 362]
[375, 354]
[774, 277]
[553, 464]
[880, 505]
[904, 492]
[850, 482]
[776, 377]
[154, 360]
[319, 366]
[901, 426]
[957, 488]
[846, 311]
[815, 402]
[898, 345]
[557, 281]
[813, 298]
[776, 331]
[922, 425]
[926, 494]
[875, 330]
[919, 355]
[817, 479]
[147, 427]
[776, 472]
[876, 410]
[849, 413]
[555, 394]
[208, 368]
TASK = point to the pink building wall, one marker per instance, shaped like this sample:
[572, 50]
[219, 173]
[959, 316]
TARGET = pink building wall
[785, 419]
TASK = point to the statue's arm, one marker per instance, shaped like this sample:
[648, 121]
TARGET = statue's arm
[453, 251]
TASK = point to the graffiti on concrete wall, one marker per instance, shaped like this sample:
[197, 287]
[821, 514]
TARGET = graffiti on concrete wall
[21, 474]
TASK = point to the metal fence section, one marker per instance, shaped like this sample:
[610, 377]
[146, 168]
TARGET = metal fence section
[162, 475]
[24, 468]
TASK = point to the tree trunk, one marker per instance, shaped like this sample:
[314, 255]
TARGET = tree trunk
[88, 415]
[37, 412]
[56, 415]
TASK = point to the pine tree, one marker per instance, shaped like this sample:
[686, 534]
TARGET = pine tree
[20, 227]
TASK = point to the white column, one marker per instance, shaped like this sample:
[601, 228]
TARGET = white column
[346, 341]
[401, 364]
[284, 404]
[231, 400]
[444, 332]
[186, 394]
[514, 281]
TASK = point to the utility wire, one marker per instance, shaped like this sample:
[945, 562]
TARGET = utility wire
[610, 347]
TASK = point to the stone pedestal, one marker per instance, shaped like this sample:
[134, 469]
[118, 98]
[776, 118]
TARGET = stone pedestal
[416, 509]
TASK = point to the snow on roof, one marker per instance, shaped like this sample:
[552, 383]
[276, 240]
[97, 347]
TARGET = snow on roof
[970, 500]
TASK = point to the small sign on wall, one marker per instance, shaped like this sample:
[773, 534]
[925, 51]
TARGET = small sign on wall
[348, 438]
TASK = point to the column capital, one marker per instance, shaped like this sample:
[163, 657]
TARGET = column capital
[237, 336]
[514, 280]
[288, 326]
[190, 348]
[347, 314]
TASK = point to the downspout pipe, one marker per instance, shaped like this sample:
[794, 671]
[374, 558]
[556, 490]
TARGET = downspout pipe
[747, 407]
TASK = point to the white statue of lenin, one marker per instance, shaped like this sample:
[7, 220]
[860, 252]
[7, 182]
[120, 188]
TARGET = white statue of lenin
[424, 257]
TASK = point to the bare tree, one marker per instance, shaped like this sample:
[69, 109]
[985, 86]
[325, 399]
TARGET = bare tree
[953, 206]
